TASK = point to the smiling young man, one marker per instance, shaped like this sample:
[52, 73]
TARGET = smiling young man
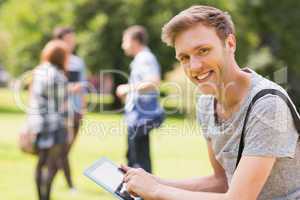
[205, 44]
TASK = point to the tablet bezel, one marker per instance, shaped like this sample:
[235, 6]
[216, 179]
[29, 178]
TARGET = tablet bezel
[88, 172]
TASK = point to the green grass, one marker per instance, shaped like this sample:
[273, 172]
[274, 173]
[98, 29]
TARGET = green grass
[177, 148]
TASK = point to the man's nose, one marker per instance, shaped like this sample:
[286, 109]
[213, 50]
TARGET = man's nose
[195, 63]
[123, 45]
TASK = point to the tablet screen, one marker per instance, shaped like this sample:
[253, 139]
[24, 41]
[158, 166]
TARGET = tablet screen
[110, 177]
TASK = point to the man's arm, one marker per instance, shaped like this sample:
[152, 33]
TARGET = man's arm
[217, 182]
[151, 84]
[247, 183]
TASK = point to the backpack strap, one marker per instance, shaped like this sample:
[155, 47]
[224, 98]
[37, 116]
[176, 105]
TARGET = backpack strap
[260, 94]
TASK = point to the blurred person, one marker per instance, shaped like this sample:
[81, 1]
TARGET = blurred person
[47, 114]
[77, 86]
[252, 140]
[142, 110]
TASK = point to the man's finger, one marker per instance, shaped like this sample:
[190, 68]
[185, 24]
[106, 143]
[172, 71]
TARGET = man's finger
[124, 168]
[128, 176]
[130, 173]
[130, 187]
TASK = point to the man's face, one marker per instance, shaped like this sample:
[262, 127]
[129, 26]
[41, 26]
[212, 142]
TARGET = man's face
[128, 45]
[203, 56]
[70, 40]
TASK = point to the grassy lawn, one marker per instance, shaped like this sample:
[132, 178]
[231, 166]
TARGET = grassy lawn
[177, 148]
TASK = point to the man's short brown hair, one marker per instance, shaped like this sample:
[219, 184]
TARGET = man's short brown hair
[206, 15]
[60, 32]
[138, 33]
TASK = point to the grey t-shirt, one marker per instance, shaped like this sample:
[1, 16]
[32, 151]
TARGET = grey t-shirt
[270, 131]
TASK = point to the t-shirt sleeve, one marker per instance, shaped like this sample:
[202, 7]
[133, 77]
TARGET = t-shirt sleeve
[149, 68]
[270, 130]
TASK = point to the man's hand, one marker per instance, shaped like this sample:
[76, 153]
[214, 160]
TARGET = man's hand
[140, 183]
[122, 90]
[75, 88]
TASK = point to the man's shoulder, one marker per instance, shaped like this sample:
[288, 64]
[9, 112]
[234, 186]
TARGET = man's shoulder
[269, 105]
[259, 83]
[75, 57]
[146, 55]
[76, 63]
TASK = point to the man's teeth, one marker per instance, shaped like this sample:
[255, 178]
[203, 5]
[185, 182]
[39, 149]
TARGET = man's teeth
[203, 76]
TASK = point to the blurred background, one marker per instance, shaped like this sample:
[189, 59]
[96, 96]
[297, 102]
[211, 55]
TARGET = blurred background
[268, 34]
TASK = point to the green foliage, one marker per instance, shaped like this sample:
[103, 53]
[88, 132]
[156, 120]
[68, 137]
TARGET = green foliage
[102, 26]
[26, 31]
[276, 24]
[100, 23]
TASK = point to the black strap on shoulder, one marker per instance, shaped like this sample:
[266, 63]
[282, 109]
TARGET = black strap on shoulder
[260, 94]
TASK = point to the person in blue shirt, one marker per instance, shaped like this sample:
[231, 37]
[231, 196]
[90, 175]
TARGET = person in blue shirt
[77, 85]
[142, 109]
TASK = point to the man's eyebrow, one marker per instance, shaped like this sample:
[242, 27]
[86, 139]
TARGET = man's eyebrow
[177, 56]
[193, 48]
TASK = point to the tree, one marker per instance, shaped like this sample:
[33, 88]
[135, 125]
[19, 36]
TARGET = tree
[276, 25]
[29, 29]
[99, 25]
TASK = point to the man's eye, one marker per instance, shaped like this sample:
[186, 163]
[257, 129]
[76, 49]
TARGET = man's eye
[184, 59]
[203, 51]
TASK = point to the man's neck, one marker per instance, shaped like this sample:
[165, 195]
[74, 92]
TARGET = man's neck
[139, 49]
[233, 91]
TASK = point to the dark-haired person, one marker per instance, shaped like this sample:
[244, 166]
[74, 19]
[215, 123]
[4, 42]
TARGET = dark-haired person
[77, 87]
[142, 109]
[47, 116]
[269, 168]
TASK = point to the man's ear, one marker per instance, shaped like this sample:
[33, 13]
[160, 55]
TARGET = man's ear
[231, 42]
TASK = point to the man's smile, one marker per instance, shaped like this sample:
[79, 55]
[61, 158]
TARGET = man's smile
[203, 77]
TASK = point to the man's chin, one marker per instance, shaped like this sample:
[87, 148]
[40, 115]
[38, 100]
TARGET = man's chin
[129, 54]
[206, 90]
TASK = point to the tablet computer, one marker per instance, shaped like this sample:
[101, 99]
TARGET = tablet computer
[110, 177]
